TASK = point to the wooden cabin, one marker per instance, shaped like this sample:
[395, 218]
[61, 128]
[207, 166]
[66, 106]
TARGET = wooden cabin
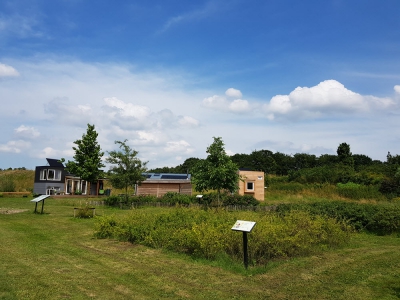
[158, 184]
[252, 184]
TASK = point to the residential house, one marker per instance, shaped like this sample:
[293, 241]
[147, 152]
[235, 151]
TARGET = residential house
[53, 179]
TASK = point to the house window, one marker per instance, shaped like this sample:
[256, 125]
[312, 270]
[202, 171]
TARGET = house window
[43, 174]
[250, 186]
[53, 174]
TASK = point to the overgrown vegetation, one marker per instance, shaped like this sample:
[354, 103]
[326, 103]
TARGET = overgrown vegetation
[7, 184]
[174, 198]
[207, 234]
[380, 219]
[58, 251]
[19, 180]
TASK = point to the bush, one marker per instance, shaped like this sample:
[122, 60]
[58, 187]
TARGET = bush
[379, 219]
[177, 198]
[390, 188]
[105, 227]
[84, 212]
[112, 200]
[358, 191]
[240, 200]
[144, 199]
[208, 233]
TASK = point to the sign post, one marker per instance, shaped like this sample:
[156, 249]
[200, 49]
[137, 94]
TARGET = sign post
[245, 227]
[40, 199]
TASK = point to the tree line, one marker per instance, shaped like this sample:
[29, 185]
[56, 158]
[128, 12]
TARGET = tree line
[342, 168]
[219, 171]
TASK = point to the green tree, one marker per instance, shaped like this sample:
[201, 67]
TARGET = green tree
[304, 161]
[127, 169]
[187, 165]
[243, 161]
[344, 155]
[263, 160]
[87, 162]
[284, 162]
[217, 171]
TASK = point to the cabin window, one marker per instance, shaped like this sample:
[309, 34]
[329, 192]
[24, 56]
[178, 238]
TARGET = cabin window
[250, 186]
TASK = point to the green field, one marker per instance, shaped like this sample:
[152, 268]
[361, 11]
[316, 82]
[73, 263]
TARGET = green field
[55, 256]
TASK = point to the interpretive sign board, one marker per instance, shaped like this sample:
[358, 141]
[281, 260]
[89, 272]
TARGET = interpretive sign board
[244, 226]
[40, 199]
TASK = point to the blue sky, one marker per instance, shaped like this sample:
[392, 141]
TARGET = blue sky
[288, 76]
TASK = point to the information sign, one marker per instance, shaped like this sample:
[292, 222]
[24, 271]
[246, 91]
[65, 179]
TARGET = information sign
[244, 226]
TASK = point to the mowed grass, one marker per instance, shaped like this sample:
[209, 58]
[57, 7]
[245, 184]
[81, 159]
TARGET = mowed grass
[54, 256]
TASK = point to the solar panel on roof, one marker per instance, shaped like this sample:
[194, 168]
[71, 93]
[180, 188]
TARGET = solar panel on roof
[173, 176]
[54, 162]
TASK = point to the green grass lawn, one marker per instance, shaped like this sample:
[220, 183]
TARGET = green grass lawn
[54, 256]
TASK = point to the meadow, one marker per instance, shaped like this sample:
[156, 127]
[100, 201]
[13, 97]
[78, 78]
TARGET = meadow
[56, 256]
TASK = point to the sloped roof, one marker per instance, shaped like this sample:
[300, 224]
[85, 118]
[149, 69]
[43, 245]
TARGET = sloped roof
[54, 162]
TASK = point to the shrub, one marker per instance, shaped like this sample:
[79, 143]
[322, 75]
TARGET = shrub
[177, 198]
[84, 212]
[379, 219]
[323, 174]
[208, 233]
[241, 200]
[105, 227]
[358, 191]
[112, 200]
[144, 199]
[390, 188]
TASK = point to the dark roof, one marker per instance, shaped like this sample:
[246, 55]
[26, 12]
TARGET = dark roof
[54, 162]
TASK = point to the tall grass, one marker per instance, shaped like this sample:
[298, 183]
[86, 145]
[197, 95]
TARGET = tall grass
[18, 180]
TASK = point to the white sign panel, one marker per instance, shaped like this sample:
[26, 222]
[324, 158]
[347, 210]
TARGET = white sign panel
[40, 198]
[245, 226]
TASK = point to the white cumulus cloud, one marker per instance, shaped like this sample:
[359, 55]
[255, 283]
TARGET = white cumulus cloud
[181, 147]
[397, 89]
[15, 146]
[329, 96]
[25, 132]
[223, 104]
[7, 71]
[239, 105]
[234, 93]
[215, 101]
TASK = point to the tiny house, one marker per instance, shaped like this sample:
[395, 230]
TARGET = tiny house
[53, 179]
[252, 184]
[158, 184]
